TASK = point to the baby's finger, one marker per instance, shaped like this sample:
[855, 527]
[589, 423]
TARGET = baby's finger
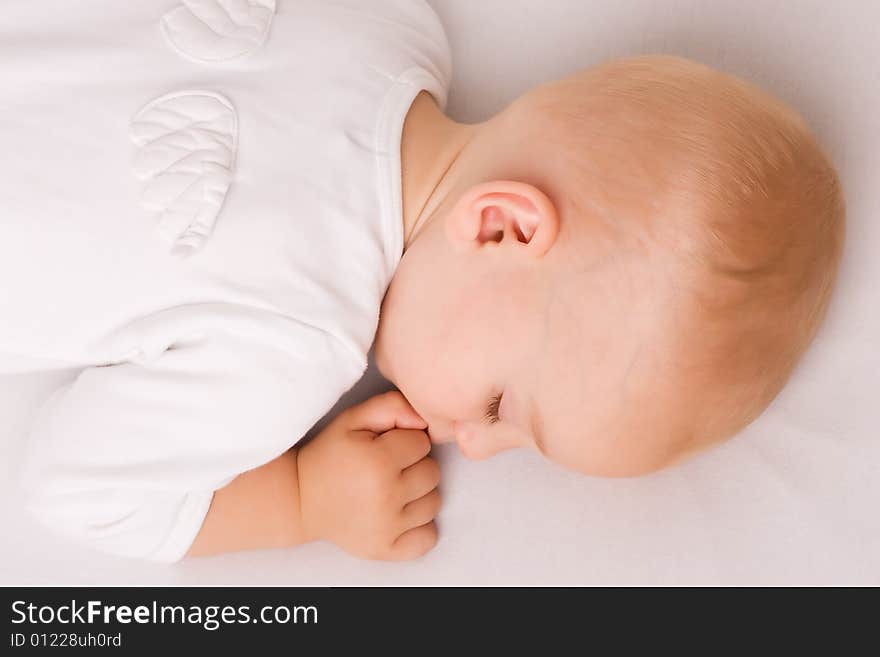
[420, 479]
[414, 542]
[384, 412]
[423, 510]
[406, 446]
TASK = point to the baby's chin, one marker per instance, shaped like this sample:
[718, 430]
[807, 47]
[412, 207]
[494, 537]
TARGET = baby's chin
[380, 361]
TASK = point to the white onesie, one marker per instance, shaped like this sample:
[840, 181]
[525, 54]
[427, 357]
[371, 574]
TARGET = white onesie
[200, 205]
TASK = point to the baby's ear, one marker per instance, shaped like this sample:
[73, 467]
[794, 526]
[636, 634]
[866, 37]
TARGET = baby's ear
[503, 211]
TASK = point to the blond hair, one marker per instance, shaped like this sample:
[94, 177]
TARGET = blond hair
[729, 181]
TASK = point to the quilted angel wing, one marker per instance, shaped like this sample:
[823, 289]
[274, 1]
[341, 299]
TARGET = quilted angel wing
[216, 30]
[187, 145]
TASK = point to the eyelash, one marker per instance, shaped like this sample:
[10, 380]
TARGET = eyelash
[492, 410]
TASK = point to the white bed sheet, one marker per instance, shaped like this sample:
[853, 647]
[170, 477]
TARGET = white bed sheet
[794, 499]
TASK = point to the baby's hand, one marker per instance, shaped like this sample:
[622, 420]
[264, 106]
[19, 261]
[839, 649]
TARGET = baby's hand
[367, 484]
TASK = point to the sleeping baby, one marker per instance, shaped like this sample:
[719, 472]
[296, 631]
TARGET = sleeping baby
[215, 210]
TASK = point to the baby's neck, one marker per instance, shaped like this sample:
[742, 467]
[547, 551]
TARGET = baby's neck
[430, 144]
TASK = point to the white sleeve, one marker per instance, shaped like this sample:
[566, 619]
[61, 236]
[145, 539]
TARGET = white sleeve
[126, 457]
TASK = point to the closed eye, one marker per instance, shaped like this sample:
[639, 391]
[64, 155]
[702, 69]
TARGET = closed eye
[491, 415]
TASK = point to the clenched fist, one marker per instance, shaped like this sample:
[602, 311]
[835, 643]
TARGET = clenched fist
[366, 481]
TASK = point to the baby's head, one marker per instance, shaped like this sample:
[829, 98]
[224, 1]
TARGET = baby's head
[624, 268]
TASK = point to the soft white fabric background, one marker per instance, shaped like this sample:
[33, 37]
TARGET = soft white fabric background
[794, 499]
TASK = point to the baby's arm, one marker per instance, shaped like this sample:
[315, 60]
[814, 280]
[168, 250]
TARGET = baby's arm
[365, 482]
[126, 458]
[258, 509]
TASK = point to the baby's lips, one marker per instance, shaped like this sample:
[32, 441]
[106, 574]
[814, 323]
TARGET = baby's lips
[439, 437]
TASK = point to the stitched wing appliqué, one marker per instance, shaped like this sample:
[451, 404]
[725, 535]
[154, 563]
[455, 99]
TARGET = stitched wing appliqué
[187, 145]
[216, 30]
